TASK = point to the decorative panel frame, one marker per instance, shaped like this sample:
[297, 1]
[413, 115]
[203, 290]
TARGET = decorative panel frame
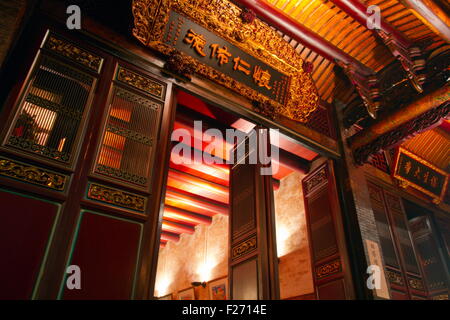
[404, 182]
[116, 198]
[85, 67]
[51, 232]
[33, 174]
[143, 90]
[75, 240]
[255, 37]
[329, 258]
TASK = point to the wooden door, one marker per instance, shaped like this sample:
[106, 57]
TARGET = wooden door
[80, 178]
[435, 272]
[330, 265]
[253, 266]
[403, 272]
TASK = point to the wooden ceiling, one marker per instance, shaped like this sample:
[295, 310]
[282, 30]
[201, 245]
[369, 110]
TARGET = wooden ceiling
[432, 145]
[337, 27]
[198, 191]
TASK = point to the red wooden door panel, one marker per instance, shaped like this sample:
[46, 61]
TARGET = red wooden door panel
[25, 230]
[106, 250]
[87, 134]
[253, 267]
[331, 271]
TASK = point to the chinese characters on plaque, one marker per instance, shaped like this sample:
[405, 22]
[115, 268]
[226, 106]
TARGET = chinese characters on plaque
[418, 173]
[205, 46]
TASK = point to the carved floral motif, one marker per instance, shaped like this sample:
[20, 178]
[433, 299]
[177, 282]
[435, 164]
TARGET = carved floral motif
[73, 52]
[116, 197]
[140, 82]
[244, 248]
[32, 174]
[328, 269]
[256, 38]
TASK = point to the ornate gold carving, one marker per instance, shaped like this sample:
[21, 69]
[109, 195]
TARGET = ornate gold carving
[130, 134]
[394, 277]
[140, 82]
[317, 179]
[121, 174]
[32, 174]
[255, 38]
[244, 247]
[441, 297]
[73, 52]
[416, 284]
[116, 197]
[31, 146]
[328, 269]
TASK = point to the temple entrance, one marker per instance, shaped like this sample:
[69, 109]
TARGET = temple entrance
[236, 229]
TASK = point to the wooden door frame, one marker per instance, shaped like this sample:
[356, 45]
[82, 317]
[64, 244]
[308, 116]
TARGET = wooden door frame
[206, 90]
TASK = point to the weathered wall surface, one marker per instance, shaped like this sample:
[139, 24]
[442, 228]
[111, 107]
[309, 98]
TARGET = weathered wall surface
[292, 239]
[202, 256]
[11, 14]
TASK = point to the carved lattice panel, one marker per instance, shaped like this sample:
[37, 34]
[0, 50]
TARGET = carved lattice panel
[49, 115]
[129, 137]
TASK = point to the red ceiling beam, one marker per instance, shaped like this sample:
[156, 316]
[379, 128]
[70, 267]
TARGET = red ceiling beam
[184, 216]
[176, 227]
[194, 203]
[169, 236]
[300, 33]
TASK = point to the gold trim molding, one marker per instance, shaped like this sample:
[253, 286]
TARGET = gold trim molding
[140, 82]
[243, 248]
[328, 269]
[116, 197]
[256, 38]
[69, 50]
[32, 174]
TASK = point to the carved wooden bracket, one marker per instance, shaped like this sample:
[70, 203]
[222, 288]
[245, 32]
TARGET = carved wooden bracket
[410, 58]
[366, 86]
[408, 129]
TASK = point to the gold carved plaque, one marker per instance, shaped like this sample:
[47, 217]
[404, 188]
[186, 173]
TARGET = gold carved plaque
[255, 38]
[71, 51]
[32, 174]
[116, 197]
[243, 248]
[140, 82]
[328, 269]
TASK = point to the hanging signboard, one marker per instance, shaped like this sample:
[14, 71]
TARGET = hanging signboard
[416, 172]
[216, 40]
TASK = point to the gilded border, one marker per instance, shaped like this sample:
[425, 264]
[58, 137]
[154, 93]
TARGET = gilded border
[32, 174]
[70, 51]
[140, 82]
[328, 269]
[256, 38]
[116, 197]
[244, 247]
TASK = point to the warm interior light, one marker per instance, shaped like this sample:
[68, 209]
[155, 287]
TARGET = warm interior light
[282, 235]
[205, 269]
[162, 285]
[197, 186]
